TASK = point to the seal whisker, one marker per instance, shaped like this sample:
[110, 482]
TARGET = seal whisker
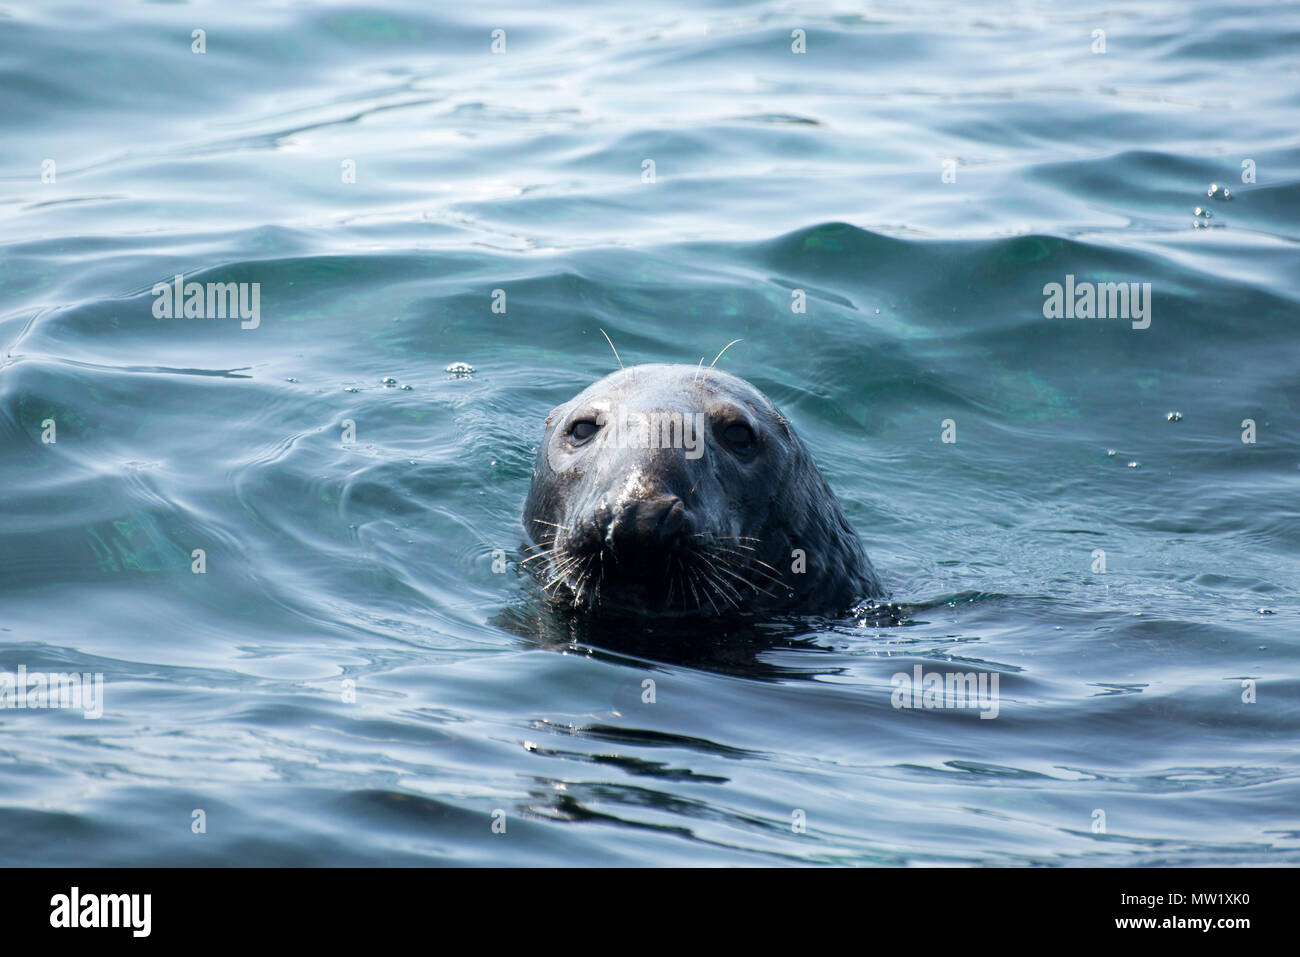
[532, 558]
[711, 589]
[734, 552]
[774, 579]
[704, 588]
[759, 561]
[724, 349]
[719, 584]
[756, 561]
[690, 579]
[740, 572]
[578, 586]
[746, 582]
[716, 358]
[566, 565]
[714, 585]
[558, 573]
[681, 584]
[611, 345]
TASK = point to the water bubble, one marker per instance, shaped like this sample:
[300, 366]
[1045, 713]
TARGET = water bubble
[1227, 193]
[1111, 453]
[1135, 465]
[1266, 611]
[1214, 188]
[290, 379]
[388, 381]
[407, 388]
[460, 369]
[350, 388]
[1174, 417]
[1202, 211]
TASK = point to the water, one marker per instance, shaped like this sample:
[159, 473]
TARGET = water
[1125, 731]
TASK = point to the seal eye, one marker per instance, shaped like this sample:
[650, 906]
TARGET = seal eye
[739, 438]
[582, 430]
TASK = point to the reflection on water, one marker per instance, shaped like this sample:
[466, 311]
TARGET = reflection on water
[277, 543]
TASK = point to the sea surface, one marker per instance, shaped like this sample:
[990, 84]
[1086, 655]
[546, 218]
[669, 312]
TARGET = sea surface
[290, 542]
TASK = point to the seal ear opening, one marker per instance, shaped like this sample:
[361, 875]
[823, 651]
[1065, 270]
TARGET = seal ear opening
[551, 415]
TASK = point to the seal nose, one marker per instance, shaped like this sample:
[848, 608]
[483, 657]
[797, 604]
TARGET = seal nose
[648, 527]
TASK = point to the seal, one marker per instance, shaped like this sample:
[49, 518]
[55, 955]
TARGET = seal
[681, 491]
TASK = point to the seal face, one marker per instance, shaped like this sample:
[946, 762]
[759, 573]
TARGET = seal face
[673, 490]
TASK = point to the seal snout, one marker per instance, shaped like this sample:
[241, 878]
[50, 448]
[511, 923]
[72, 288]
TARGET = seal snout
[640, 531]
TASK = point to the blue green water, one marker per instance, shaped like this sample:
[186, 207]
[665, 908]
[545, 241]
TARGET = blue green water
[1161, 691]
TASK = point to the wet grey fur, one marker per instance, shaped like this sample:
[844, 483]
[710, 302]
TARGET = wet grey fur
[615, 526]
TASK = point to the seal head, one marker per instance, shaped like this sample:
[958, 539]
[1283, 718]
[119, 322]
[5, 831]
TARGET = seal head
[673, 490]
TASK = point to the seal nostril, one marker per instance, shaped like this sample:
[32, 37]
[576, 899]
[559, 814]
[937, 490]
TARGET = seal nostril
[672, 522]
[647, 528]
